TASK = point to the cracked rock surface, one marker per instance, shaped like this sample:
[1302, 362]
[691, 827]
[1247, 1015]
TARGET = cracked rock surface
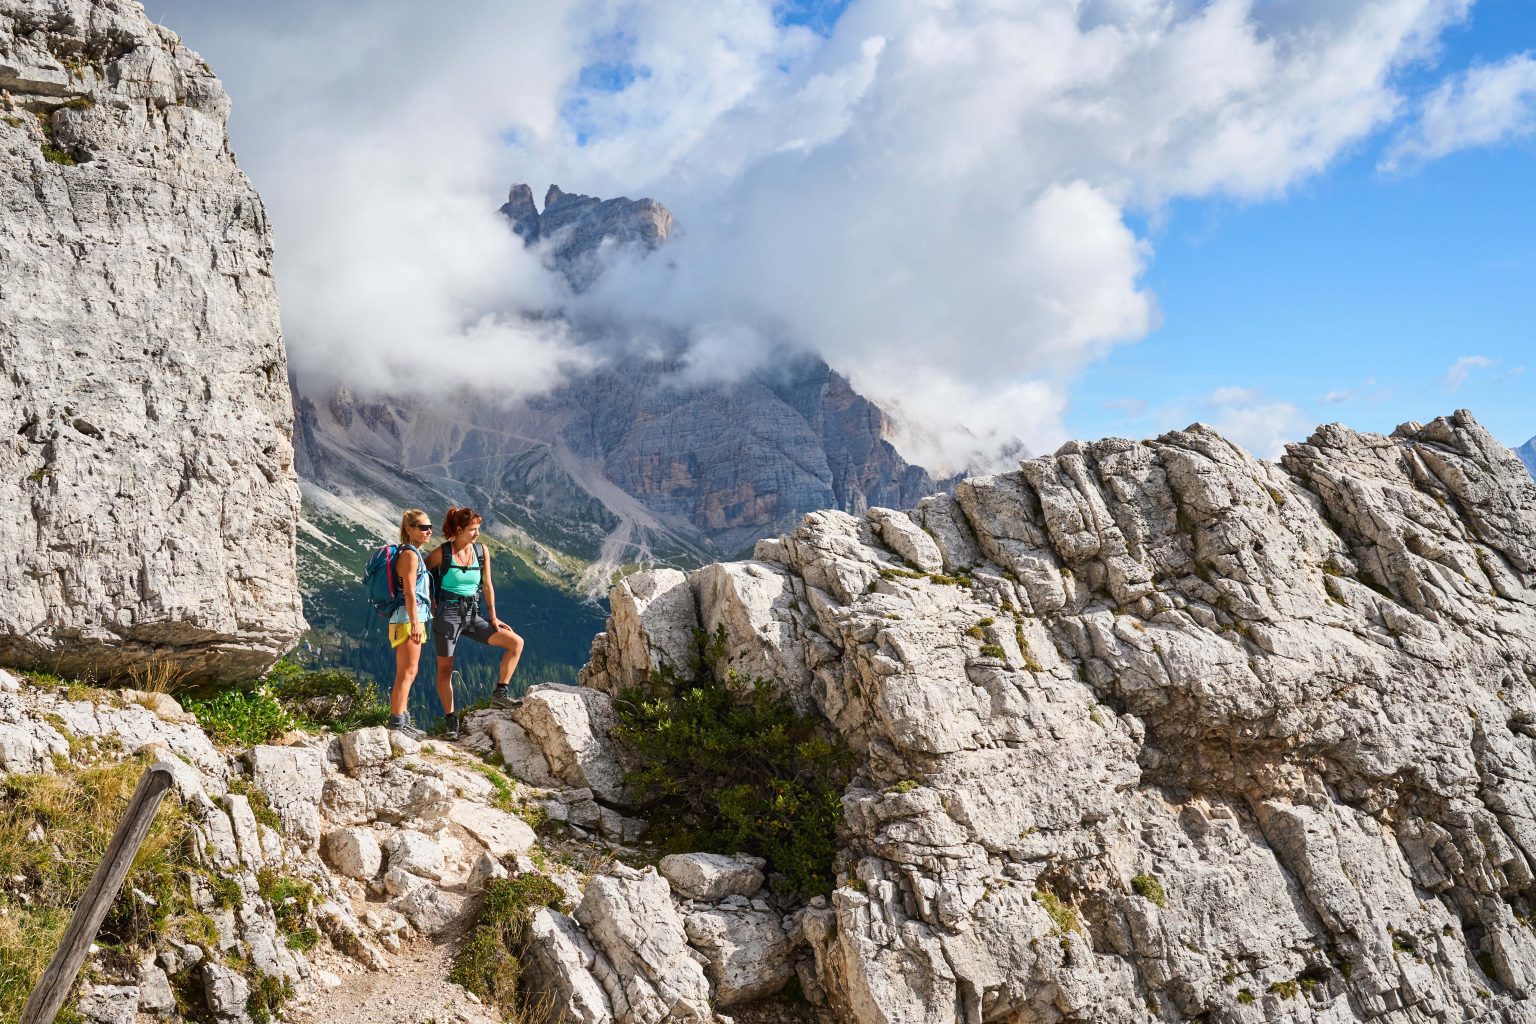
[1156, 730]
[147, 494]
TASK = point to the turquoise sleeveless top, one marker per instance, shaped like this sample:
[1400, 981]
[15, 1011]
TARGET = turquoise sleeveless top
[460, 580]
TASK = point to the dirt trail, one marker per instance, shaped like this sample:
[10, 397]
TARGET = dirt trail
[413, 990]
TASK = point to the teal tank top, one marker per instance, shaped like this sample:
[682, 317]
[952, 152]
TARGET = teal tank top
[460, 580]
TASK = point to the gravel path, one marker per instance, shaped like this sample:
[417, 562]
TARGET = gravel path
[414, 990]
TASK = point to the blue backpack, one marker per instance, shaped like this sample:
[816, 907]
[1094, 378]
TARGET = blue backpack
[382, 581]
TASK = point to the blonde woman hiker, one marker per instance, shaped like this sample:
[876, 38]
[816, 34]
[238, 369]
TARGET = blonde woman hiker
[466, 607]
[408, 623]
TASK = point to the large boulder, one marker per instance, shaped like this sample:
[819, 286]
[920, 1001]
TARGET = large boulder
[651, 972]
[293, 782]
[653, 624]
[354, 852]
[143, 357]
[748, 951]
[560, 965]
[574, 727]
[712, 876]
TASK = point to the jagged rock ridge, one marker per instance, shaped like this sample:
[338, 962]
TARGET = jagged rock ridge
[1155, 730]
[578, 233]
[147, 490]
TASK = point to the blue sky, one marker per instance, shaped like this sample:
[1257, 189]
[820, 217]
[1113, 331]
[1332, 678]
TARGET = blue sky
[1352, 296]
[1000, 218]
[1358, 281]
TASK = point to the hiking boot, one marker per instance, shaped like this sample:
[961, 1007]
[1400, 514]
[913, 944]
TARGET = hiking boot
[451, 726]
[402, 724]
[501, 697]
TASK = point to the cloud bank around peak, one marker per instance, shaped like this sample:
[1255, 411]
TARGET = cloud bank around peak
[937, 196]
[378, 139]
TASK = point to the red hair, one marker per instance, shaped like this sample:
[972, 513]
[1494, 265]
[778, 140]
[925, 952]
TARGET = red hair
[457, 519]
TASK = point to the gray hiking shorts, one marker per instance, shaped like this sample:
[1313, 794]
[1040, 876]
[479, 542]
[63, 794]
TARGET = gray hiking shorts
[454, 621]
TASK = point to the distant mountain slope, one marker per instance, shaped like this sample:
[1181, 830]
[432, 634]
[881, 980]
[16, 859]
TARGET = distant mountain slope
[623, 465]
[1527, 453]
[626, 463]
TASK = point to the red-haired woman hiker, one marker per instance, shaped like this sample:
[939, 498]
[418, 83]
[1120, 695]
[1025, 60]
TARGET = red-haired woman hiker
[408, 624]
[466, 607]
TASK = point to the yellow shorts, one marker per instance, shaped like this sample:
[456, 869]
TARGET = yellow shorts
[400, 632]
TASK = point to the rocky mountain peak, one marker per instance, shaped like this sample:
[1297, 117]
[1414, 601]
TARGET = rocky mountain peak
[578, 233]
[1527, 453]
[523, 214]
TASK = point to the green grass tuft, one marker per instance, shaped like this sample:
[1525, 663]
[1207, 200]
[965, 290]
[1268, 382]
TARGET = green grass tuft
[1149, 888]
[1062, 914]
[487, 963]
[54, 830]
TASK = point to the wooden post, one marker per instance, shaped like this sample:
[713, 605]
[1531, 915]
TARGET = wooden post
[53, 987]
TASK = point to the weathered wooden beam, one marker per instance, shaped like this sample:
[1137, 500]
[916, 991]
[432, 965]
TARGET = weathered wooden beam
[53, 987]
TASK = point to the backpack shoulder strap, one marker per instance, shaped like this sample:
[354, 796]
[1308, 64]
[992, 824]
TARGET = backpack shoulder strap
[480, 553]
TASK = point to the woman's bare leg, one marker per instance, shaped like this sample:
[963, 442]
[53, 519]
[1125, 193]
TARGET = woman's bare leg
[512, 649]
[445, 683]
[407, 658]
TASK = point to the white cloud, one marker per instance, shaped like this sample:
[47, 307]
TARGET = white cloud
[1232, 396]
[936, 215]
[1261, 427]
[1456, 376]
[1340, 395]
[934, 198]
[1483, 106]
[374, 135]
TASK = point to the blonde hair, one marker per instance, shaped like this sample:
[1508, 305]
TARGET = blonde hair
[407, 520]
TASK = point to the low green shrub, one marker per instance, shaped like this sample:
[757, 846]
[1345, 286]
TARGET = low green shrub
[326, 698]
[241, 717]
[290, 897]
[730, 766]
[268, 994]
[1062, 915]
[1149, 888]
[304, 940]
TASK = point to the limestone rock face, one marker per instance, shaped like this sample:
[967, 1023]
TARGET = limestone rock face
[653, 976]
[748, 952]
[147, 492]
[574, 727]
[1171, 731]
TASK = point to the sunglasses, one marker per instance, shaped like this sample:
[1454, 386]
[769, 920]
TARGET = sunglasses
[422, 526]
